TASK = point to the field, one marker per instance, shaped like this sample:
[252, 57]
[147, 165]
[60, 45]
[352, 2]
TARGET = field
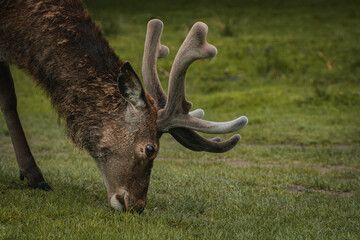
[291, 67]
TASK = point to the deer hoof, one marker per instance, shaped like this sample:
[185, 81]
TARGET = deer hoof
[43, 186]
[22, 177]
[34, 179]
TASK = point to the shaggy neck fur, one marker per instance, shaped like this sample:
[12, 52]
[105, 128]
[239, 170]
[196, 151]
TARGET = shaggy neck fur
[58, 44]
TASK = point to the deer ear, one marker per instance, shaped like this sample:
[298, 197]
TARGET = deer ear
[130, 86]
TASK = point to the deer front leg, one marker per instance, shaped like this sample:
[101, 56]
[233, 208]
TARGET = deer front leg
[25, 159]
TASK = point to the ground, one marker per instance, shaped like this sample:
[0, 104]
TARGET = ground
[291, 67]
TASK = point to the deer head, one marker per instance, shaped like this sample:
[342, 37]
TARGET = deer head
[149, 119]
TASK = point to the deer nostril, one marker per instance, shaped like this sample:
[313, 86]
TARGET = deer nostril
[120, 198]
[149, 150]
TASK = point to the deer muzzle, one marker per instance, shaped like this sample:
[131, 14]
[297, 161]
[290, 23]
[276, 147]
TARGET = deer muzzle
[121, 201]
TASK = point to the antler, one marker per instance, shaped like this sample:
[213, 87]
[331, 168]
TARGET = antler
[152, 51]
[173, 114]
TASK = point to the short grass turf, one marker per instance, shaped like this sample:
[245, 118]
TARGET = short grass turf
[292, 67]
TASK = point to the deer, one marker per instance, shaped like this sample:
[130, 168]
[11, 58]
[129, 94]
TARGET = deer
[101, 99]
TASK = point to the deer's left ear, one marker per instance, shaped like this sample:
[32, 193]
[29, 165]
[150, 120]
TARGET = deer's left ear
[130, 86]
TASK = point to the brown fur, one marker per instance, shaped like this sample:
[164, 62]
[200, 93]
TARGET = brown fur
[56, 42]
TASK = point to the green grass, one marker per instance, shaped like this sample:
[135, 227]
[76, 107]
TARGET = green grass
[292, 67]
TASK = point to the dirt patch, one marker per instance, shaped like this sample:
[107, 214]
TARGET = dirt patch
[339, 168]
[297, 188]
[243, 163]
[288, 145]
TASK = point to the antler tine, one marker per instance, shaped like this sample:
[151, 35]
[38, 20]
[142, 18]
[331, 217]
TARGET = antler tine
[197, 113]
[153, 50]
[193, 141]
[204, 126]
[194, 47]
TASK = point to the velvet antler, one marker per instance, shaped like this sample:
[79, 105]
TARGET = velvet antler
[173, 115]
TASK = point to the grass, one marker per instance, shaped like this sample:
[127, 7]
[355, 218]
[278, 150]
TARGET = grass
[292, 67]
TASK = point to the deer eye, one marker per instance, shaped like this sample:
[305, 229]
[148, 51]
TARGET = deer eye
[150, 150]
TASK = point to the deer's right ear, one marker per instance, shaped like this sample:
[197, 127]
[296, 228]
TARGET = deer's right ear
[130, 86]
